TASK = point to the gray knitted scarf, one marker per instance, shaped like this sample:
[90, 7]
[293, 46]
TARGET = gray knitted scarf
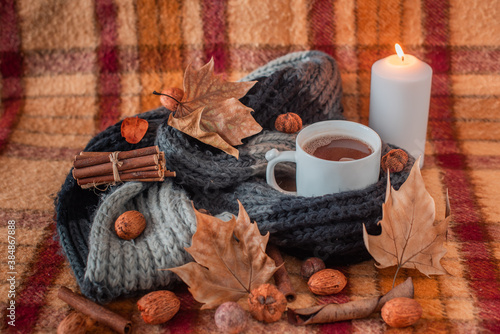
[330, 226]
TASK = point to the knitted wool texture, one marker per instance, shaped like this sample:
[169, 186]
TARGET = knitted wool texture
[307, 83]
[329, 227]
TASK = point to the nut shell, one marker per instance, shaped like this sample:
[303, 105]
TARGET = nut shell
[311, 266]
[158, 307]
[395, 161]
[288, 123]
[267, 303]
[230, 318]
[130, 225]
[75, 323]
[327, 282]
[401, 312]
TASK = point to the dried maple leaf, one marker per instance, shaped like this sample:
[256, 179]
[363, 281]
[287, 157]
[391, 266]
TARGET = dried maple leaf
[409, 238]
[133, 129]
[230, 259]
[211, 112]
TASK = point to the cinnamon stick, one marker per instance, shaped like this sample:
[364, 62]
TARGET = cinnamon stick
[85, 159]
[144, 169]
[110, 179]
[93, 185]
[95, 311]
[123, 177]
[281, 277]
[168, 173]
[107, 168]
[162, 158]
[97, 168]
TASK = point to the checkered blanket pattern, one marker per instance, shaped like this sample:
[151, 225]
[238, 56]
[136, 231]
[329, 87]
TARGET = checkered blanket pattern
[69, 69]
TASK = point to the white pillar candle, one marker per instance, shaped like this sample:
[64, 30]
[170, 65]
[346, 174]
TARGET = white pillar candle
[399, 101]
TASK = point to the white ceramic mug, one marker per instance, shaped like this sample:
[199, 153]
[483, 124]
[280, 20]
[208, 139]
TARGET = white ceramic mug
[317, 177]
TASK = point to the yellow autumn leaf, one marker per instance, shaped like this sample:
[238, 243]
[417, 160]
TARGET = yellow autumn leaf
[410, 237]
[230, 259]
[211, 112]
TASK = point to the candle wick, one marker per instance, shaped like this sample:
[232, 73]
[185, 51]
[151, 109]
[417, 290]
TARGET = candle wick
[402, 58]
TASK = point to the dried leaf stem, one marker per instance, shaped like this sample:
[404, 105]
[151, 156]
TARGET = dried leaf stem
[173, 98]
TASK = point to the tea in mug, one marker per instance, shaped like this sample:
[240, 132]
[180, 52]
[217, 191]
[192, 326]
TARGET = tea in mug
[334, 148]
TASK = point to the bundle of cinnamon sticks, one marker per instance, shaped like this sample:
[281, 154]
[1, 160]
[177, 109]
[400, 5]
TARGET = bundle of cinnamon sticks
[147, 164]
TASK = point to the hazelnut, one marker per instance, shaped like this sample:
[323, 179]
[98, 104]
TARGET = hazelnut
[288, 123]
[230, 318]
[130, 225]
[158, 307]
[311, 266]
[170, 101]
[267, 303]
[401, 312]
[394, 161]
[327, 282]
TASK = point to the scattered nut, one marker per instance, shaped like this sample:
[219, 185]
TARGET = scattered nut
[394, 160]
[130, 225]
[230, 318]
[401, 312]
[170, 101]
[75, 323]
[327, 282]
[158, 307]
[288, 123]
[267, 303]
[311, 266]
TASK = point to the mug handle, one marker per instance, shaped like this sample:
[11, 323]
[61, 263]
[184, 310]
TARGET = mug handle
[274, 157]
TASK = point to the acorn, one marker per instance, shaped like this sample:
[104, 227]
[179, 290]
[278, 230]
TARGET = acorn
[288, 123]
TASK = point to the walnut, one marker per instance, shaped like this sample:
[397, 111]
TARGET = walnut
[267, 303]
[288, 123]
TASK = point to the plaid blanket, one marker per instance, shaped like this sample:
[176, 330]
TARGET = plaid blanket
[69, 69]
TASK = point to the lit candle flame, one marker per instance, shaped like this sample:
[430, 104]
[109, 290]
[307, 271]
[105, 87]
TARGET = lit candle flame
[400, 52]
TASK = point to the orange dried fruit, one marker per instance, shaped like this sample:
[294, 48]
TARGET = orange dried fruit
[288, 123]
[133, 129]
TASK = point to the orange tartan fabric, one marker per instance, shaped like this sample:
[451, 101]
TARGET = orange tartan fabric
[69, 69]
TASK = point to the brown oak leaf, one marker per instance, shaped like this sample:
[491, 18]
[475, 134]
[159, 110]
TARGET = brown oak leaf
[211, 112]
[410, 238]
[133, 129]
[230, 259]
